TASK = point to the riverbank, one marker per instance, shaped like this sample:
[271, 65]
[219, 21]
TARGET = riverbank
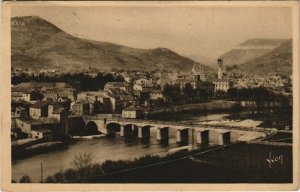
[36, 149]
[231, 165]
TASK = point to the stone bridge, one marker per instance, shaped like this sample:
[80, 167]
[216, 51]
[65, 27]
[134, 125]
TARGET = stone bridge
[221, 135]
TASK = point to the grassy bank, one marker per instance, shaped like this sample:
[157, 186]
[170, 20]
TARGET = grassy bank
[240, 163]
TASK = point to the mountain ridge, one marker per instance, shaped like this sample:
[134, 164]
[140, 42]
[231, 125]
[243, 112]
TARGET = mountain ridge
[277, 61]
[37, 43]
[250, 50]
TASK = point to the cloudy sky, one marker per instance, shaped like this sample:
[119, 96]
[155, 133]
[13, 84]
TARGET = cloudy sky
[198, 32]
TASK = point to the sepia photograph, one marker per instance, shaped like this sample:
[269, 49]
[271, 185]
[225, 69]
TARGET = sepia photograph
[150, 93]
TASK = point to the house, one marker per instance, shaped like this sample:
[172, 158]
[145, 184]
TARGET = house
[143, 82]
[42, 133]
[51, 91]
[132, 112]
[18, 112]
[221, 84]
[27, 124]
[156, 94]
[39, 109]
[81, 108]
[143, 88]
[124, 86]
[108, 100]
[16, 94]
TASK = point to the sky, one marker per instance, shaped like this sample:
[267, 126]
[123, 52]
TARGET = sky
[196, 32]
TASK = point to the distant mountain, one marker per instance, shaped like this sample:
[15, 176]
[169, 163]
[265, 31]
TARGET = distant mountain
[277, 61]
[249, 50]
[36, 43]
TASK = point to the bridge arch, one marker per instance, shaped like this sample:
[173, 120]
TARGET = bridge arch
[113, 127]
[91, 128]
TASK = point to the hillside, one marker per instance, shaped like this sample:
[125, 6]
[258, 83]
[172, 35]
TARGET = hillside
[276, 61]
[36, 44]
[249, 50]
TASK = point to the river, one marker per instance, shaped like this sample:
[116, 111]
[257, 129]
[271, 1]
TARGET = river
[102, 148]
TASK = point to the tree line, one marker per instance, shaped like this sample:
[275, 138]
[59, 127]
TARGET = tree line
[80, 81]
[175, 95]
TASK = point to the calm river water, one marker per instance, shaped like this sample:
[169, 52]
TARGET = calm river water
[102, 148]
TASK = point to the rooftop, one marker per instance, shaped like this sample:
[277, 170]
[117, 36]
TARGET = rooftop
[132, 108]
[40, 104]
[40, 121]
[42, 130]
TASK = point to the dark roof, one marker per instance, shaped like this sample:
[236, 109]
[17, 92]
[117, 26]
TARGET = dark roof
[116, 84]
[33, 84]
[132, 108]
[40, 104]
[40, 121]
[41, 129]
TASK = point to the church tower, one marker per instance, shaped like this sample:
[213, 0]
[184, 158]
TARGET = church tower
[198, 72]
[220, 70]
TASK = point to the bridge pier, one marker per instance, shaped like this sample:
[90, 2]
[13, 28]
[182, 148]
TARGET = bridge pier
[182, 136]
[143, 132]
[125, 131]
[202, 137]
[224, 138]
[162, 134]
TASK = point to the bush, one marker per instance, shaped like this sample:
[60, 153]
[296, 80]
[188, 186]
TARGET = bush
[25, 179]
[49, 179]
[71, 174]
[58, 177]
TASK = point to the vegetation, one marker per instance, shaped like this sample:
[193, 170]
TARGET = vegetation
[80, 81]
[176, 96]
[84, 167]
[25, 179]
[274, 109]
[218, 166]
[83, 164]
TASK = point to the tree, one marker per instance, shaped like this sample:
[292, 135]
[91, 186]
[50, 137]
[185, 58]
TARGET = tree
[25, 179]
[70, 174]
[83, 164]
[188, 91]
[49, 179]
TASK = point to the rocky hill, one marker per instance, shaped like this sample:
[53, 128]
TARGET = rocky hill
[36, 43]
[250, 50]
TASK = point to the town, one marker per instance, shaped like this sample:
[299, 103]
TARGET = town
[53, 110]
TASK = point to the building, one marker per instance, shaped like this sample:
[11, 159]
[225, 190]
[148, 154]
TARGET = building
[132, 112]
[143, 82]
[16, 94]
[156, 94]
[108, 100]
[18, 112]
[143, 88]
[39, 109]
[220, 69]
[42, 133]
[221, 84]
[81, 108]
[50, 91]
[27, 124]
[123, 86]
[198, 73]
